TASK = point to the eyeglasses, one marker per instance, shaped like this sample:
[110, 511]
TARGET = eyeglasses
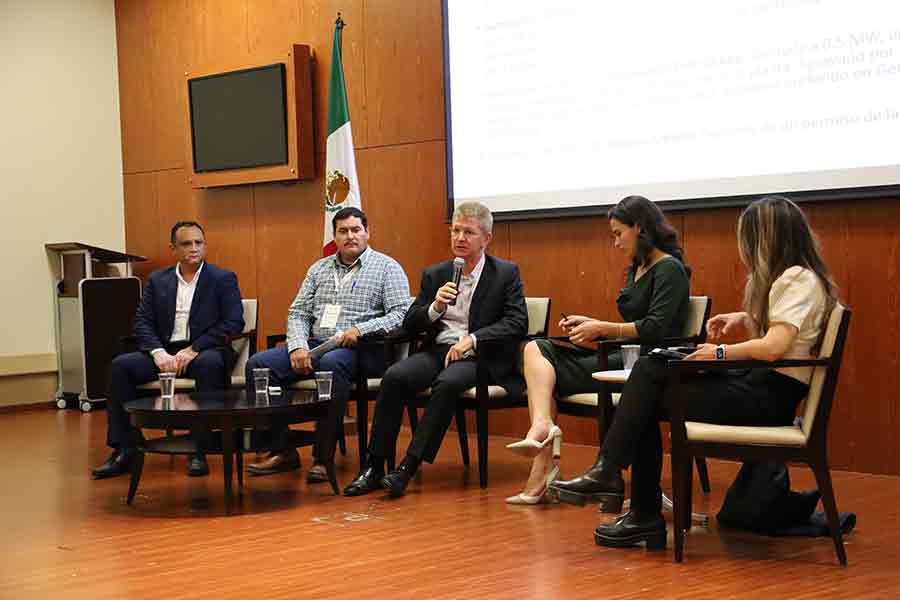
[456, 232]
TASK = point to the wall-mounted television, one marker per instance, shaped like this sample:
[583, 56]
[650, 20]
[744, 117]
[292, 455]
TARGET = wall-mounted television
[251, 122]
[239, 119]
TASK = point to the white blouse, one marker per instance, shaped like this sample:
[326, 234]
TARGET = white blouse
[798, 298]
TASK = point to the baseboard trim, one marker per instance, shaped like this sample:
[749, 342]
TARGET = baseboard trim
[27, 364]
[14, 408]
[28, 390]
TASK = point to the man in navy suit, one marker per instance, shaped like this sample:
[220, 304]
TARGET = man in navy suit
[485, 313]
[181, 324]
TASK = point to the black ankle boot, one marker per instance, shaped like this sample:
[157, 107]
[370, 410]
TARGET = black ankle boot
[631, 529]
[602, 484]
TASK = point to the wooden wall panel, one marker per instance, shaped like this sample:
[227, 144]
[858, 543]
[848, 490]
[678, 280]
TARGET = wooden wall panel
[865, 236]
[832, 224]
[500, 244]
[141, 226]
[317, 29]
[405, 204]
[176, 203]
[404, 71]
[227, 215]
[273, 26]
[154, 50]
[710, 245]
[219, 32]
[135, 102]
[288, 240]
[170, 50]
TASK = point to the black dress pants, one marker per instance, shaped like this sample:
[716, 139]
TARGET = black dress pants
[760, 397]
[132, 369]
[399, 386]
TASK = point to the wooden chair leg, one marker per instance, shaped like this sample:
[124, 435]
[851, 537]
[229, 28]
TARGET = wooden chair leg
[481, 429]
[823, 479]
[362, 428]
[703, 474]
[463, 435]
[682, 475]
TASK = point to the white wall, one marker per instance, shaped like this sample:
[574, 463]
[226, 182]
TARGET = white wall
[60, 152]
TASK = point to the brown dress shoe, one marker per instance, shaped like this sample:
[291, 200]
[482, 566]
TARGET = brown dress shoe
[317, 474]
[276, 463]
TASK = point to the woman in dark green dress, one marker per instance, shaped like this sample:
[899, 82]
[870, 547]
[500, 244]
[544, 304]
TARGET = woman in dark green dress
[653, 305]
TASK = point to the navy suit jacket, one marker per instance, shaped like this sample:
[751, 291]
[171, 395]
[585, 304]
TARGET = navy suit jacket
[497, 316]
[216, 309]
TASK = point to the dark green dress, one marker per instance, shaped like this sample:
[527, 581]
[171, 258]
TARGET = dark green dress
[657, 304]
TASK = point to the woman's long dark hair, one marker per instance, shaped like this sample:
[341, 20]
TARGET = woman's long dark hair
[656, 232]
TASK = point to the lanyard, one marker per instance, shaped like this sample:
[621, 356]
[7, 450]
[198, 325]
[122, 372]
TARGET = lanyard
[339, 282]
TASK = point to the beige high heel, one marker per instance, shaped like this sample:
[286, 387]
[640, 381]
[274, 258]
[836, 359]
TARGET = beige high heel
[543, 498]
[532, 448]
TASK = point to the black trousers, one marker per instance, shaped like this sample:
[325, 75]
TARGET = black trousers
[130, 370]
[756, 397]
[399, 386]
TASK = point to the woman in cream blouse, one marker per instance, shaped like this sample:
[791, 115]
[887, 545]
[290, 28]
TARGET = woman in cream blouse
[788, 297]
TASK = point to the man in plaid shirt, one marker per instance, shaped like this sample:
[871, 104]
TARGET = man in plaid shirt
[353, 293]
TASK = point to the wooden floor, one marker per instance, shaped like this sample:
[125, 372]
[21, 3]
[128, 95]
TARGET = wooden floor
[66, 536]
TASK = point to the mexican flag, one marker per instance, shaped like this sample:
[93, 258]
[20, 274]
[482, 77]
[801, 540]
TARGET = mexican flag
[341, 184]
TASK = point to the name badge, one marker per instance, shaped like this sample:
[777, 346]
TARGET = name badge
[330, 316]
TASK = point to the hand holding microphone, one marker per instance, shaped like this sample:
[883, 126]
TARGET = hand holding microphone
[446, 295]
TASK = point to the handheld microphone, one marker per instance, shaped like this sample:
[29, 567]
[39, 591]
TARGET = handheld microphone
[458, 265]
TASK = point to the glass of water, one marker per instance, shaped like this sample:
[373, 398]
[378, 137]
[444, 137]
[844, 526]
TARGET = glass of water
[630, 354]
[167, 385]
[261, 381]
[323, 385]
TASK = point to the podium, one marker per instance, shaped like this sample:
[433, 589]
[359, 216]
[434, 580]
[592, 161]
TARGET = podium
[93, 312]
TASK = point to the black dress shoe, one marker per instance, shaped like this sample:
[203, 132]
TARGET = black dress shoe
[396, 481]
[118, 463]
[367, 481]
[197, 465]
[601, 484]
[631, 529]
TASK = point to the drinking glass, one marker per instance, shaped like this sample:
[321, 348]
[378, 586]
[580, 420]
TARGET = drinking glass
[323, 385]
[630, 354]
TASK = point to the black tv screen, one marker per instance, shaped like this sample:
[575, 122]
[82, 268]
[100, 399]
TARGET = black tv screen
[239, 119]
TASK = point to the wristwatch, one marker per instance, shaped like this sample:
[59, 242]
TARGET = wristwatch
[720, 352]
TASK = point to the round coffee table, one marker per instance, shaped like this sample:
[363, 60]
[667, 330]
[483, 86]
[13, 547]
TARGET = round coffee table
[227, 411]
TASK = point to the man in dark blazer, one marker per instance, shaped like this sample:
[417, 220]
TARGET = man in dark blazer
[181, 324]
[486, 312]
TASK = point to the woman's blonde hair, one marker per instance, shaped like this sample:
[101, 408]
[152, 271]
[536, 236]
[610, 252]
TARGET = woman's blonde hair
[774, 235]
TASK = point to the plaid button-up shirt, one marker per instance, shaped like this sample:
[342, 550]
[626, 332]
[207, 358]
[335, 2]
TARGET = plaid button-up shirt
[373, 294]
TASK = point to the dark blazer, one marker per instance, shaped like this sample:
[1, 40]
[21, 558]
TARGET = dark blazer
[216, 309]
[497, 317]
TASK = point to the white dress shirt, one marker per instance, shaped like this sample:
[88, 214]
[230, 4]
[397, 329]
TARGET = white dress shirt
[456, 317]
[184, 297]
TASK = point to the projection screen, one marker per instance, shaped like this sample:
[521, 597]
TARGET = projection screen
[564, 107]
